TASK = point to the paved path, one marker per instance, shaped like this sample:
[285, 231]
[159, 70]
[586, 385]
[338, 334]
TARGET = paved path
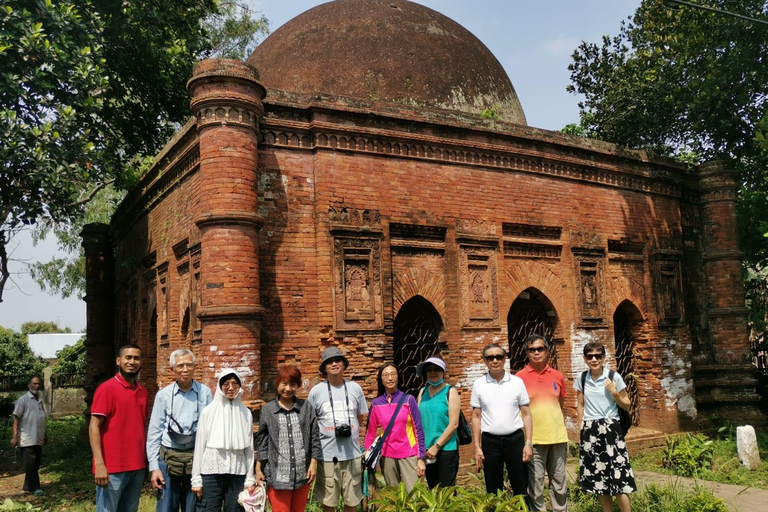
[737, 497]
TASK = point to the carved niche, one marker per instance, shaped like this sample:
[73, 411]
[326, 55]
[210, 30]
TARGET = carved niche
[669, 289]
[196, 292]
[478, 279]
[163, 296]
[589, 265]
[357, 269]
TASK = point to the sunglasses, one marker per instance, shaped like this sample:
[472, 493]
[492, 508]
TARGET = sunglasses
[495, 357]
[536, 349]
[594, 356]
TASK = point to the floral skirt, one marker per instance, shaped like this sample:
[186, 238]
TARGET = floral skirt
[603, 459]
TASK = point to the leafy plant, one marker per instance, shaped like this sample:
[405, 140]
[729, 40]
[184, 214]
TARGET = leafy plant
[447, 499]
[9, 504]
[688, 455]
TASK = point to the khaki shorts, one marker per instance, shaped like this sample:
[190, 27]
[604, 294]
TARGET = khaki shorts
[345, 476]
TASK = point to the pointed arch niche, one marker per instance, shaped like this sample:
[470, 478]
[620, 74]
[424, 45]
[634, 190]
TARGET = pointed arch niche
[417, 329]
[629, 331]
[531, 313]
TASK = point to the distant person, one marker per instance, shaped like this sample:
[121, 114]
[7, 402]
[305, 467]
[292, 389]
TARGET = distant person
[439, 406]
[29, 433]
[502, 429]
[603, 458]
[546, 389]
[288, 444]
[340, 406]
[223, 463]
[403, 452]
[171, 434]
[117, 435]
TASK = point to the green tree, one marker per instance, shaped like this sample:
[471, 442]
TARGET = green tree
[689, 83]
[16, 359]
[71, 359]
[90, 90]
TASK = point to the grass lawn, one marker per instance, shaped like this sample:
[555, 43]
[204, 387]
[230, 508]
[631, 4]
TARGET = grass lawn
[65, 473]
[725, 468]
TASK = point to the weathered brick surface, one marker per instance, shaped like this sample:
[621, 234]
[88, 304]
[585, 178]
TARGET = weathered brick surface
[249, 247]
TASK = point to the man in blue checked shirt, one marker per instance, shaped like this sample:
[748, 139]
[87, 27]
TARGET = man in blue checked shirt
[171, 434]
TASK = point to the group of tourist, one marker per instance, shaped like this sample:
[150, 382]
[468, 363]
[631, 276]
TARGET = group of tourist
[202, 453]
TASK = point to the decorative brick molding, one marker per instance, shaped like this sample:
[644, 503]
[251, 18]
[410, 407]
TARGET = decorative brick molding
[319, 136]
[589, 274]
[414, 281]
[357, 284]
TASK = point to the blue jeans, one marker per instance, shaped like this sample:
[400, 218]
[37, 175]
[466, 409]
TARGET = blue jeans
[218, 489]
[122, 493]
[176, 495]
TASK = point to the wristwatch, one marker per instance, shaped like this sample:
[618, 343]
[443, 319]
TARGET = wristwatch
[438, 445]
[528, 443]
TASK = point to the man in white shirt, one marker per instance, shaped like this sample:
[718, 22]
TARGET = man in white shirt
[502, 429]
[29, 433]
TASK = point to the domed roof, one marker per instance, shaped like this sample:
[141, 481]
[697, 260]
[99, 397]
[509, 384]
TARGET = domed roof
[390, 51]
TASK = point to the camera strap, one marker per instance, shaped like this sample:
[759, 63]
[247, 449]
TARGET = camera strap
[346, 397]
[177, 435]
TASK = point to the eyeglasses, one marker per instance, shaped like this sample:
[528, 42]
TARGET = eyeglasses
[495, 357]
[388, 375]
[536, 349]
[595, 356]
[184, 365]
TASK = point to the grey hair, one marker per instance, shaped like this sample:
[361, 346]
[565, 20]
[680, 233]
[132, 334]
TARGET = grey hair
[181, 352]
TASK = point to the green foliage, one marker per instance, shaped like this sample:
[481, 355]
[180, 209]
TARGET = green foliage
[90, 90]
[16, 359]
[42, 328]
[654, 498]
[491, 113]
[235, 30]
[449, 499]
[9, 504]
[688, 455]
[71, 359]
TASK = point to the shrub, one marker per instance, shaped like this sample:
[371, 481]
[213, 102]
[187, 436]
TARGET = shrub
[448, 499]
[687, 455]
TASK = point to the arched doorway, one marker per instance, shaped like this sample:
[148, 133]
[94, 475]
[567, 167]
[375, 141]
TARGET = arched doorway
[416, 331]
[627, 321]
[530, 313]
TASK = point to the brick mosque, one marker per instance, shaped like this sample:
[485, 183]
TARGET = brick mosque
[367, 179]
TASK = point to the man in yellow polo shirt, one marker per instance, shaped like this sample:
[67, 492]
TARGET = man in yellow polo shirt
[546, 389]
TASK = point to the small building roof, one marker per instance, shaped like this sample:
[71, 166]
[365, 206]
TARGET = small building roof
[46, 345]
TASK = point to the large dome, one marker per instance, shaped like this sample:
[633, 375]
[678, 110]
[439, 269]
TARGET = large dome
[386, 51]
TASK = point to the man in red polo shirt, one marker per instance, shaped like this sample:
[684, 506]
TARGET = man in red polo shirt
[118, 437]
[546, 389]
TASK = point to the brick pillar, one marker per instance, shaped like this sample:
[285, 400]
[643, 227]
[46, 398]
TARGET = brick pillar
[725, 385]
[100, 308]
[227, 102]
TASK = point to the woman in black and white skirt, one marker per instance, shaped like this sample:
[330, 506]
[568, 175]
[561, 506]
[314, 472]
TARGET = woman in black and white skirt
[603, 457]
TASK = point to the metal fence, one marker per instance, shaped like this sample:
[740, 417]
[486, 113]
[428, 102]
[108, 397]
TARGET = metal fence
[13, 383]
[68, 380]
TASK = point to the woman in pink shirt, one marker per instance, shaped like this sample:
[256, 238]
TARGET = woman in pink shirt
[403, 452]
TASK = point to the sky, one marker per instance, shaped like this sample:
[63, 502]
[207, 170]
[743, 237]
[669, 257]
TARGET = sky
[532, 39]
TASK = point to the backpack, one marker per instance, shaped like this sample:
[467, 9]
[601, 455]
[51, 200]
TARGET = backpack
[625, 418]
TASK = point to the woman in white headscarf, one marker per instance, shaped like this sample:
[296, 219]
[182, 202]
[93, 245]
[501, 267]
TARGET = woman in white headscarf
[223, 462]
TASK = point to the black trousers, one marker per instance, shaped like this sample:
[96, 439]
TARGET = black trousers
[443, 471]
[30, 459]
[218, 489]
[500, 451]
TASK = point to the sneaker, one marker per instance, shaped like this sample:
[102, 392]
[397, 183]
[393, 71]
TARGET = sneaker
[38, 492]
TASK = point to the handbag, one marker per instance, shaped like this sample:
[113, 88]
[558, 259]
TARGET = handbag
[625, 418]
[372, 454]
[463, 431]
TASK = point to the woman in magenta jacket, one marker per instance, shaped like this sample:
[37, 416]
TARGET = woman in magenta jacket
[403, 452]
